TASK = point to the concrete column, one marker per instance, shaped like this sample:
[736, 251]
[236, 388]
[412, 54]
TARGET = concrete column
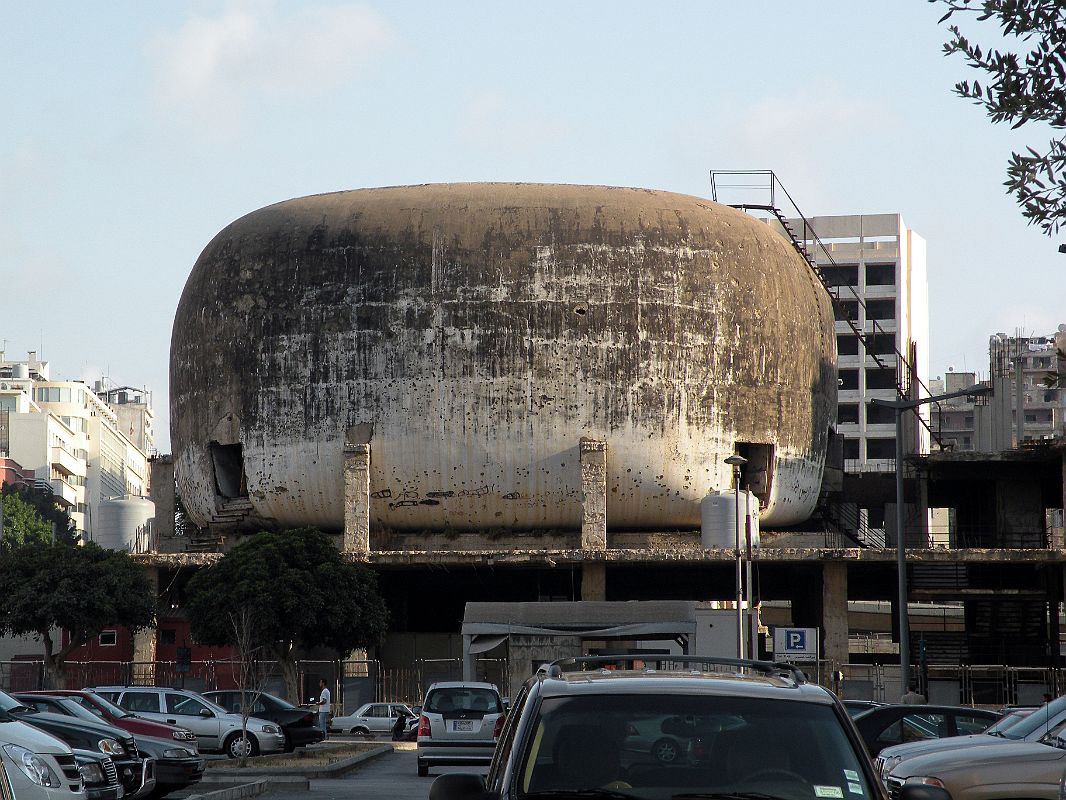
[835, 612]
[593, 494]
[594, 581]
[356, 498]
[161, 493]
[144, 640]
[468, 659]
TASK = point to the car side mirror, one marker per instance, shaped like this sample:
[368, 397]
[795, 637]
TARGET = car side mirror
[919, 792]
[460, 786]
[207, 713]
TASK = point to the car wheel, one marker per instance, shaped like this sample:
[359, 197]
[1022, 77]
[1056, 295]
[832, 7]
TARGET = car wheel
[423, 769]
[361, 731]
[238, 747]
[666, 751]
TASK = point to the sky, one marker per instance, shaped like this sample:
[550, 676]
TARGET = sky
[133, 132]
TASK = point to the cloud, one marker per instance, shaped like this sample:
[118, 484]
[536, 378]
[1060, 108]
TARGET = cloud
[213, 68]
[491, 120]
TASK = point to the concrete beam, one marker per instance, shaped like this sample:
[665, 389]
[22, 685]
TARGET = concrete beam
[593, 493]
[356, 498]
[144, 640]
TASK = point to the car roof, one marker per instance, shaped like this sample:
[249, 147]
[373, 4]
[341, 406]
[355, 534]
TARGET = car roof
[462, 685]
[605, 681]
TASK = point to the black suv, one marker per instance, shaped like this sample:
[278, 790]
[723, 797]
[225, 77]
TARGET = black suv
[586, 728]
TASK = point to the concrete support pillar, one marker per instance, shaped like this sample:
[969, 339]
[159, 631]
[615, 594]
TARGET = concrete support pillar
[161, 492]
[593, 494]
[835, 612]
[468, 659]
[356, 498]
[144, 640]
[594, 581]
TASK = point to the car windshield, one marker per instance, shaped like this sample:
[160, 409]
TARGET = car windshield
[10, 705]
[665, 747]
[105, 704]
[1008, 720]
[1038, 722]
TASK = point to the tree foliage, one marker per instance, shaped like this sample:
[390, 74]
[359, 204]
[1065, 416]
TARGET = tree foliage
[1024, 83]
[31, 515]
[79, 589]
[304, 594]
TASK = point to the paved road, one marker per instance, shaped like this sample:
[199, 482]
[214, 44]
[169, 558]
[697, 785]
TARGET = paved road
[390, 777]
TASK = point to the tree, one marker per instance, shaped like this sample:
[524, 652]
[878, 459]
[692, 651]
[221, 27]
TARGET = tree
[251, 677]
[33, 514]
[79, 589]
[303, 594]
[1022, 86]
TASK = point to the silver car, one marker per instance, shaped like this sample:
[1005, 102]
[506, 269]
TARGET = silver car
[372, 719]
[460, 724]
[216, 729]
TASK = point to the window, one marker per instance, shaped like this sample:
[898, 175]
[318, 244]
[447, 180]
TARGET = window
[880, 378]
[851, 448]
[841, 274]
[884, 344]
[880, 274]
[849, 379]
[880, 448]
[880, 415]
[186, 706]
[848, 413]
[846, 309]
[168, 636]
[1030, 417]
[847, 345]
[141, 701]
[108, 638]
[914, 728]
[967, 724]
[880, 309]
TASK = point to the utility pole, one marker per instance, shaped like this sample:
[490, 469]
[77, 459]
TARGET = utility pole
[901, 552]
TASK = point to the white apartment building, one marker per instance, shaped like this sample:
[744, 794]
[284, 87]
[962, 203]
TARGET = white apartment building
[62, 430]
[878, 260]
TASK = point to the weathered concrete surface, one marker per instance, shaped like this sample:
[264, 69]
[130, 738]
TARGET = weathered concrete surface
[357, 498]
[472, 333]
[593, 493]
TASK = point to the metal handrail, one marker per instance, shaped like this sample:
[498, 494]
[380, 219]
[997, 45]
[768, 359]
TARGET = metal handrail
[902, 388]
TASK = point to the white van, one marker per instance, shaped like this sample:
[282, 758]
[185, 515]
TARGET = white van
[38, 765]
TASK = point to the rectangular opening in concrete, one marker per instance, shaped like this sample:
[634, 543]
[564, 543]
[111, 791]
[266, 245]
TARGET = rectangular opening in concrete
[758, 474]
[227, 460]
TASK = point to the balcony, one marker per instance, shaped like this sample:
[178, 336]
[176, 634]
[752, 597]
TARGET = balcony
[64, 493]
[67, 463]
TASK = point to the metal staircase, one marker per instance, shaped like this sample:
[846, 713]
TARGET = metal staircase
[906, 376]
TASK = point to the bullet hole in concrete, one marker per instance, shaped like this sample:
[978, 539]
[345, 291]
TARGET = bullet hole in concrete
[581, 310]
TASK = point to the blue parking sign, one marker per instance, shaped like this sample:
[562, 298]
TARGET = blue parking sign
[796, 640]
[796, 644]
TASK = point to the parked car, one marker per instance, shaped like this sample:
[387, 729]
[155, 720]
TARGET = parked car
[38, 765]
[1030, 728]
[856, 707]
[216, 729]
[778, 737]
[136, 777]
[177, 763]
[299, 725]
[459, 724]
[1018, 769]
[898, 723]
[119, 717]
[374, 719]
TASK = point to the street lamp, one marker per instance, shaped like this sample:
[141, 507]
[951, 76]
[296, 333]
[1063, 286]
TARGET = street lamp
[901, 553]
[736, 462]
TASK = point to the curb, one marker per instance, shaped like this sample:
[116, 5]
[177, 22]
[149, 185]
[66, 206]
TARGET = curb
[234, 792]
[291, 775]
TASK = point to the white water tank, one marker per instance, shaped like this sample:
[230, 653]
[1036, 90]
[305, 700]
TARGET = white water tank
[721, 516]
[120, 522]
[20, 371]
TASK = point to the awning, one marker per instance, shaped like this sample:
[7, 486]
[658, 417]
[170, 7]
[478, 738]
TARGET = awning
[482, 644]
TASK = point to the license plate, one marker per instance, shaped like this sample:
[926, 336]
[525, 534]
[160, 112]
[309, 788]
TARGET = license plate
[463, 725]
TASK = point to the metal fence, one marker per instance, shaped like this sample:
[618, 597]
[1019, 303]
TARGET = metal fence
[966, 684]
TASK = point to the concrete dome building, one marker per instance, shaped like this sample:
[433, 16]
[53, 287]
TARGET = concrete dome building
[472, 334]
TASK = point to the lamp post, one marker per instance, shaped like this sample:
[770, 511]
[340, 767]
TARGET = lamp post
[901, 552]
[736, 462]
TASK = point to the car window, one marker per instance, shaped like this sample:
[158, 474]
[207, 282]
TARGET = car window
[88, 706]
[915, 728]
[141, 701]
[970, 723]
[506, 743]
[1039, 721]
[450, 699]
[731, 745]
[180, 704]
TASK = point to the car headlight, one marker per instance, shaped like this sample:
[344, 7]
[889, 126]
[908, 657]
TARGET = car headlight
[889, 764]
[183, 735]
[110, 747]
[35, 767]
[91, 773]
[921, 780]
[271, 729]
[177, 752]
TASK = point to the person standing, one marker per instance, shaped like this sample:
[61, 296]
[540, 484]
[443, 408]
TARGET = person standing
[912, 697]
[323, 708]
